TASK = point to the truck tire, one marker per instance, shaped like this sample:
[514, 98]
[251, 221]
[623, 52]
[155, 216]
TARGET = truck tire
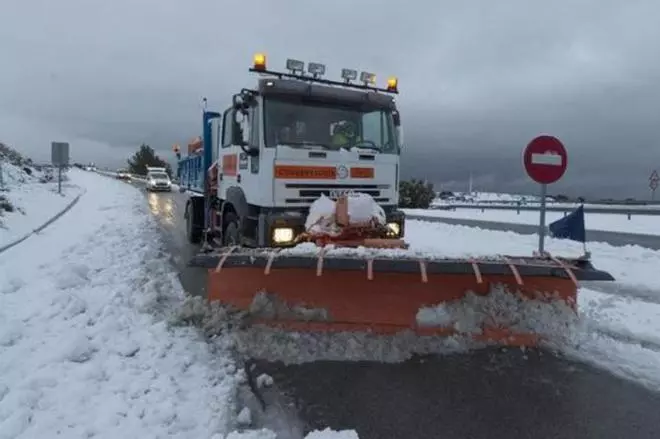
[194, 216]
[231, 235]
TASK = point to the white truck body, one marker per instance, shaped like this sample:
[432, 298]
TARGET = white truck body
[285, 175]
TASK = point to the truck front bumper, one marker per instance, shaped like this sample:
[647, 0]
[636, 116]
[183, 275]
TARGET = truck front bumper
[280, 229]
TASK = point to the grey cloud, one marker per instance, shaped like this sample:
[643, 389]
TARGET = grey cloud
[478, 79]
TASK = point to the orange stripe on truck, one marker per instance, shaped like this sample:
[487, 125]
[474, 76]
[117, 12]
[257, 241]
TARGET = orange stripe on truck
[306, 172]
[362, 172]
[230, 164]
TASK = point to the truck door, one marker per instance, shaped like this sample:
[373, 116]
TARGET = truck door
[228, 175]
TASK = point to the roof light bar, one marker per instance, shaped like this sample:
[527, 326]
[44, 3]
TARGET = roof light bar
[317, 70]
[295, 65]
[367, 78]
[349, 75]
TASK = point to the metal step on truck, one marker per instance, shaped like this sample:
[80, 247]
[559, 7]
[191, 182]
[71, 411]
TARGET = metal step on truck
[281, 145]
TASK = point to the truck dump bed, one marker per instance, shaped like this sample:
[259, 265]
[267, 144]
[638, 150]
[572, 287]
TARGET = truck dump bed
[191, 173]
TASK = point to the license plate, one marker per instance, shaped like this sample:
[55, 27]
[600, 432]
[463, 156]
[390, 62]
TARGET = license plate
[336, 193]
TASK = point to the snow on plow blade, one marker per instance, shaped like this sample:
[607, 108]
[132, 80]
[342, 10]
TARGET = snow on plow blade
[385, 294]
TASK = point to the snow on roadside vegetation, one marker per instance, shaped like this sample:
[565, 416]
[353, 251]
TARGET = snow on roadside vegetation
[27, 198]
[89, 346]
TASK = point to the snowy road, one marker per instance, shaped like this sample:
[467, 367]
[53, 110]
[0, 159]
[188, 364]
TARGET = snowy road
[489, 394]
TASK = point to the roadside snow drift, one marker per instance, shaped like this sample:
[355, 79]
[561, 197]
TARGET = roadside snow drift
[89, 345]
[619, 327]
[85, 348]
[27, 201]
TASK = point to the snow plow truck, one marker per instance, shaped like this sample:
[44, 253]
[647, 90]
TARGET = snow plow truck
[293, 197]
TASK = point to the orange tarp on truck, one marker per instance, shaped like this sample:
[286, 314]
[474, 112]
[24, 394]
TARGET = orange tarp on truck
[195, 145]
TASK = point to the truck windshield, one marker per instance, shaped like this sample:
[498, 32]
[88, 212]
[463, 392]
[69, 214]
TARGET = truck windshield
[158, 176]
[311, 124]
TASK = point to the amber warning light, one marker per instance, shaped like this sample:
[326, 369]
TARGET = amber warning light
[259, 62]
[393, 84]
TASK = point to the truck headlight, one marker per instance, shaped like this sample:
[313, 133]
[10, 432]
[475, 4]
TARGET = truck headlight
[282, 235]
[393, 229]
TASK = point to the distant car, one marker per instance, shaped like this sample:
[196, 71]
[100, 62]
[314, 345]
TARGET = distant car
[158, 181]
[123, 175]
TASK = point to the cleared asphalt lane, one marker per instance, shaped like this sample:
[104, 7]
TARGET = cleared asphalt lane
[168, 208]
[489, 394]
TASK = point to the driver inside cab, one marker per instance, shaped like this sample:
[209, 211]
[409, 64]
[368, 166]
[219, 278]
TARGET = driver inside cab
[294, 132]
[344, 135]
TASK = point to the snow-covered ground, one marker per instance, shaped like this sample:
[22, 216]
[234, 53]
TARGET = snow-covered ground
[33, 202]
[493, 197]
[88, 344]
[506, 200]
[641, 224]
[620, 328]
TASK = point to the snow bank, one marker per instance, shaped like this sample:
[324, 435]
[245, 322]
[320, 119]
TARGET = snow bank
[633, 265]
[29, 201]
[608, 222]
[501, 308]
[617, 330]
[85, 345]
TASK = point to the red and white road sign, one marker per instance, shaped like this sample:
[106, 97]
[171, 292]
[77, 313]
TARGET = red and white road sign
[654, 176]
[653, 185]
[545, 159]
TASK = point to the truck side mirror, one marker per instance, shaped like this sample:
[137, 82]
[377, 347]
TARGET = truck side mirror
[397, 118]
[238, 135]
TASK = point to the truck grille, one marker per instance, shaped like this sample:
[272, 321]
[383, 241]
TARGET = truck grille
[310, 192]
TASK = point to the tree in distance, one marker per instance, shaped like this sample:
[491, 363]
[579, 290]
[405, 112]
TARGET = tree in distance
[415, 194]
[146, 156]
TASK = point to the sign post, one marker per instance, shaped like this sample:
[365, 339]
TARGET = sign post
[545, 160]
[59, 157]
[653, 183]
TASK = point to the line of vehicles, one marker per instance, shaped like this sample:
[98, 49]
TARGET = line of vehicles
[156, 179]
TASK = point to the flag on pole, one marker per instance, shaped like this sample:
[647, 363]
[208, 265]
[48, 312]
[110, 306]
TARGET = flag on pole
[570, 227]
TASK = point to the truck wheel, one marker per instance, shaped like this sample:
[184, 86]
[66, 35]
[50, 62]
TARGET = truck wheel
[231, 235]
[193, 232]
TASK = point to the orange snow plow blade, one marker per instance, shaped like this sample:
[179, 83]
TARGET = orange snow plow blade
[344, 291]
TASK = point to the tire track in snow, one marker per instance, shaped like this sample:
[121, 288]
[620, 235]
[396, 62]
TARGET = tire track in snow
[621, 289]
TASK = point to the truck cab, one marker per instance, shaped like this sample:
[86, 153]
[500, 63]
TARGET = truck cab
[280, 146]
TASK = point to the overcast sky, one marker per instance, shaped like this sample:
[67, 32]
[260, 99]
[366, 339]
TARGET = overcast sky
[478, 78]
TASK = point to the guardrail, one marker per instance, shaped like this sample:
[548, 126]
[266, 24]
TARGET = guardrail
[618, 210]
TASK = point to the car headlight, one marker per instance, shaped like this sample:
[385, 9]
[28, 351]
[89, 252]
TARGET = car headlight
[282, 235]
[394, 229]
